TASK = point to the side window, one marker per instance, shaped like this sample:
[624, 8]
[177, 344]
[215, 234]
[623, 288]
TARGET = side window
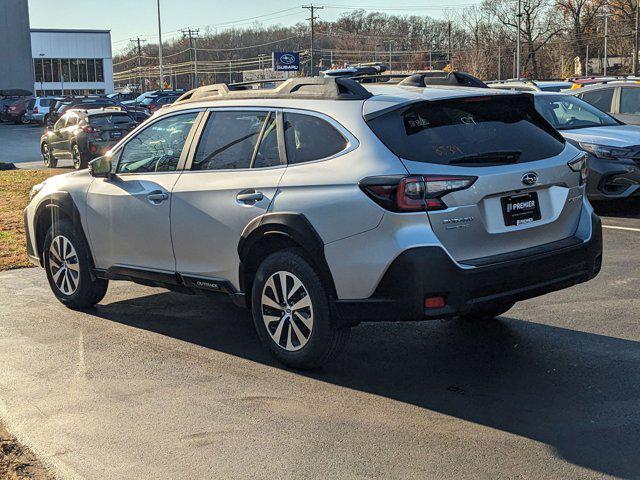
[630, 100]
[60, 124]
[601, 99]
[268, 154]
[72, 120]
[309, 138]
[158, 147]
[229, 140]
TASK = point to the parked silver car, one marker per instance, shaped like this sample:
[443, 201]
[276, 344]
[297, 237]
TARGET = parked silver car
[613, 147]
[322, 203]
[38, 108]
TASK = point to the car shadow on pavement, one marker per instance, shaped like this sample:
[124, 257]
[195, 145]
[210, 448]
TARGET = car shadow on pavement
[576, 392]
[618, 208]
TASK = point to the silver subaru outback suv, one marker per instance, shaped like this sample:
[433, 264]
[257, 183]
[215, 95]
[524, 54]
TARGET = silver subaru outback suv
[323, 203]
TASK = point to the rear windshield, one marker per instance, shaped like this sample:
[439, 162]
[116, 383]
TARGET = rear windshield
[111, 120]
[487, 130]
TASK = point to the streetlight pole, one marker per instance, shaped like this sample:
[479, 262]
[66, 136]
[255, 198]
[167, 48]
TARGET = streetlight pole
[160, 48]
[518, 40]
[606, 16]
[635, 50]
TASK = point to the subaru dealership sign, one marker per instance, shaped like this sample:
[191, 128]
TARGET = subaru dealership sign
[286, 61]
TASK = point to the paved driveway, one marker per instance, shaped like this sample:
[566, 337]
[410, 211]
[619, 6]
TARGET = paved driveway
[152, 384]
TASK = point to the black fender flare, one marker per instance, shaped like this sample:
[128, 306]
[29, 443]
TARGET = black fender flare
[63, 203]
[293, 225]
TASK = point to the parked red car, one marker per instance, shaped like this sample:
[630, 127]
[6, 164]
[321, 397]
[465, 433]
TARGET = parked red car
[15, 112]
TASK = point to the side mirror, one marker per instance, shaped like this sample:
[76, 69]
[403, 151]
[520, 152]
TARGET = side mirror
[100, 167]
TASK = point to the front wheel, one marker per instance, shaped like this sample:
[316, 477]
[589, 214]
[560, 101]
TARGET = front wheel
[291, 312]
[68, 265]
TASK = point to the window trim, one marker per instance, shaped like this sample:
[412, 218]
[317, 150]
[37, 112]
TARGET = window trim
[352, 141]
[116, 151]
[247, 108]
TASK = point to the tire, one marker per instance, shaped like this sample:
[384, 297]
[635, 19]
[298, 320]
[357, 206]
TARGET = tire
[307, 337]
[24, 120]
[78, 161]
[488, 314]
[47, 156]
[67, 262]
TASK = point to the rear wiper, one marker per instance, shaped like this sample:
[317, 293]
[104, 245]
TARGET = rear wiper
[489, 157]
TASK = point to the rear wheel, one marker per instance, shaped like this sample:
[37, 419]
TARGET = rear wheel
[78, 160]
[47, 156]
[291, 312]
[24, 120]
[68, 266]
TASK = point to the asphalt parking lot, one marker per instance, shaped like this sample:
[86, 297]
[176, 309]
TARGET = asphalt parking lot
[152, 384]
[20, 144]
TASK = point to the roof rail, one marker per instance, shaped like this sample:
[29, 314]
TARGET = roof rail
[510, 80]
[426, 79]
[316, 88]
[380, 78]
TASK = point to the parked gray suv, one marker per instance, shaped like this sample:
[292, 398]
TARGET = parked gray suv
[322, 203]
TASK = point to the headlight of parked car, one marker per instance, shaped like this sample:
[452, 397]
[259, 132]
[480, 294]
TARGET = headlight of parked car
[603, 151]
[34, 190]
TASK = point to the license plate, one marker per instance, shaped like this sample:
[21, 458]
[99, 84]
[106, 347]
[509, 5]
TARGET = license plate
[116, 134]
[520, 209]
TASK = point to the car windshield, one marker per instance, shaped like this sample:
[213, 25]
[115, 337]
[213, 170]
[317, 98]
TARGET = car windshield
[566, 112]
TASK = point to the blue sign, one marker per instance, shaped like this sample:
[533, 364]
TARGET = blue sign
[286, 61]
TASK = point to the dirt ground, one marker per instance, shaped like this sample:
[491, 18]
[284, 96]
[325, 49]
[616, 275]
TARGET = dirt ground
[18, 462]
[15, 186]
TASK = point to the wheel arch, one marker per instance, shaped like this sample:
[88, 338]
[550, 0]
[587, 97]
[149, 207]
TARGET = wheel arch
[269, 233]
[56, 206]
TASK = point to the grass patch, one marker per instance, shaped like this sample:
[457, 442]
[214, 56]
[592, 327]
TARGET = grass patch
[14, 197]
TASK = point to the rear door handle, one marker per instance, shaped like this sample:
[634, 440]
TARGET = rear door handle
[157, 196]
[249, 196]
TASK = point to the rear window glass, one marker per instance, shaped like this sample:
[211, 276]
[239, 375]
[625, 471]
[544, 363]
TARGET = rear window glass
[110, 120]
[470, 131]
[45, 102]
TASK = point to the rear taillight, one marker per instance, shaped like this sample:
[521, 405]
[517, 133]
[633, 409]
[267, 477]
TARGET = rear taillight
[89, 129]
[579, 164]
[413, 193]
[35, 109]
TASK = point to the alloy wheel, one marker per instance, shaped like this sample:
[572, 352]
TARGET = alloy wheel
[287, 311]
[64, 265]
[77, 158]
[46, 154]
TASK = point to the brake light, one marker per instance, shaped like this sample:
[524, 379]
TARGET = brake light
[35, 109]
[580, 164]
[413, 193]
[89, 129]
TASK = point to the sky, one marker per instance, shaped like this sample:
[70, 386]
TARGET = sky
[129, 18]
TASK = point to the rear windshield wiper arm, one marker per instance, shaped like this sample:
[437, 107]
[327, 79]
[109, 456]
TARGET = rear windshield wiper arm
[489, 157]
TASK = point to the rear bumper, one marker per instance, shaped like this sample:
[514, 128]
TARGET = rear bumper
[428, 272]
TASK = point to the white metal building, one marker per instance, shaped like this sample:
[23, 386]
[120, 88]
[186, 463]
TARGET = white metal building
[77, 62]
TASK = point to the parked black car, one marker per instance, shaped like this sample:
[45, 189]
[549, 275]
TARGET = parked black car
[153, 101]
[83, 135]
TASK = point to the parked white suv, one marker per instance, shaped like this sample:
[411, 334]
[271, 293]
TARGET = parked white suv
[322, 203]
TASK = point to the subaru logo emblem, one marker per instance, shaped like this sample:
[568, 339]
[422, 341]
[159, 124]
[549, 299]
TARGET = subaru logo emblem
[287, 59]
[529, 178]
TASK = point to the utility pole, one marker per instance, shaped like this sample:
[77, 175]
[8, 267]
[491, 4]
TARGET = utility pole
[390, 47]
[160, 48]
[518, 40]
[138, 41]
[449, 37]
[635, 50]
[586, 61]
[193, 35]
[606, 16]
[499, 66]
[312, 8]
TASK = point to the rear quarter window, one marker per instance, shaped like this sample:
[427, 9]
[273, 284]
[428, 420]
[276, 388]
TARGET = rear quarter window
[309, 138]
[470, 131]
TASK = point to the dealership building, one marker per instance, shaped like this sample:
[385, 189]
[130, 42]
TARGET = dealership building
[71, 61]
[52, 61]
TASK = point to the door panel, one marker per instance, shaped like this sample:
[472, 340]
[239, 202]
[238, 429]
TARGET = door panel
[213, 202]
[129, 215]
